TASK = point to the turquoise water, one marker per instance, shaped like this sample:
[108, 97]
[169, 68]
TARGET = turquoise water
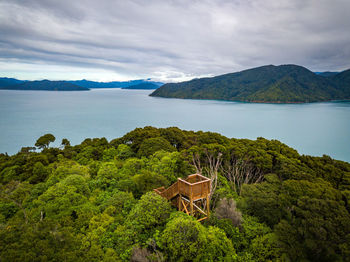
[313, 129]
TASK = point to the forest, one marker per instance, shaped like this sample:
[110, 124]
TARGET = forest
[95, 201]
[265, 84]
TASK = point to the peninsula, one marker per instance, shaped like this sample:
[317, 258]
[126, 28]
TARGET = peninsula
[266, 84]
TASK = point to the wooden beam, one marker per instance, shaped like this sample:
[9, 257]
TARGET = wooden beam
[199, 220]
[200, 182]
[191, 202]
[208, 206]
[199, 209]
[184, 205]
[203, 177]
[179, 199]
[184, 181]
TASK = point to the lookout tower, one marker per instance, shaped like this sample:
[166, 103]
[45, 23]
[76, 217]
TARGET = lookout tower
[190, 195]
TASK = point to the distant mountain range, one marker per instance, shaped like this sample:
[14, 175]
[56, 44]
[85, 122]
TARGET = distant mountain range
[327, 74]
[266, 84]
[44, 85]
[78, 85]
[146, 85]
[114, 84]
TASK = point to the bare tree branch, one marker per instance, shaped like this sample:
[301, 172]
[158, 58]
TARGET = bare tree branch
[241, 171]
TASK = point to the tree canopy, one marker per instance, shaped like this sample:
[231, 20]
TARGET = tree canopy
[45, 140]
[95, 202]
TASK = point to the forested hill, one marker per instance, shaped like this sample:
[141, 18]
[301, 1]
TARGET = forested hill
[5, 81]
[342, 80]
[273, 84]
[114, 84]
[76, 85]
[42, 85]
[95, 201]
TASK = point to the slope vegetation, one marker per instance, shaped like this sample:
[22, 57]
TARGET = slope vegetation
[273, 84]
[94, 201]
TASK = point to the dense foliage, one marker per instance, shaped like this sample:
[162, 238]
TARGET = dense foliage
[94, 201]
[342, 80]
[274, 84]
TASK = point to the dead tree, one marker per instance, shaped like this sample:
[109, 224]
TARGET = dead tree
[208, 160]
[196, 161]
[241, 171]
[214, 161]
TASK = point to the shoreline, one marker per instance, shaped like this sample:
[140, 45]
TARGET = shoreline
[255, 101]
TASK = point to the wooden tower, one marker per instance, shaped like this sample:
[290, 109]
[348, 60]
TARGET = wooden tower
[190, 195]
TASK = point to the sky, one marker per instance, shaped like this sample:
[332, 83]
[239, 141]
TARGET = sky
[168, 40]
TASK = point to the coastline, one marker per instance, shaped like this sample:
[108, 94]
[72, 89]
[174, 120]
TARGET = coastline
[255, 101]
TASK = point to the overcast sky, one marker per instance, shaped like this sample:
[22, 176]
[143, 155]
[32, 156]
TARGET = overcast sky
[169, 40]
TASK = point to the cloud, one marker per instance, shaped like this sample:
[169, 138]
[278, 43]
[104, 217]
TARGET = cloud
[170, 40]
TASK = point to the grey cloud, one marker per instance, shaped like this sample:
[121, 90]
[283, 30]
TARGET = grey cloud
[176, 39]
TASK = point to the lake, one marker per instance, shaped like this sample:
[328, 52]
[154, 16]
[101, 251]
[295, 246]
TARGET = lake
[313, 129]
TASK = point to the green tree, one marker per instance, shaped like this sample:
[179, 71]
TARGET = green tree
[18, 194]
[67, 198]
[109, 154]
[185, 239]
[107, 176]
[124, 152]
[44, 141]
[146, 181]
[151, 211]
[65, 142]
[40, 173]
[154, 144]
[318, 231]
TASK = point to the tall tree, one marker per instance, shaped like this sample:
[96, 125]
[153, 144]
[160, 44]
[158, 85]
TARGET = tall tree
[44, 141]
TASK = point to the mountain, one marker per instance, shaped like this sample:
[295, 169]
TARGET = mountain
[146, 85]
[76, 85]
[45, 85]
[326, 74]
[342, 80]
[270, 84]
[5, 82]
[114, 84]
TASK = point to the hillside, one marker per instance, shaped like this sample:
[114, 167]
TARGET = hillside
[75, 85]
[95, 201]
[5, 82]
[326, 74]
[272, 84]
[146, 85]
[45, 85]
[113, 84]
[342, 80]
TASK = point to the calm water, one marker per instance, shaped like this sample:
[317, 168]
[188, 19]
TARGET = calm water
[314, 129]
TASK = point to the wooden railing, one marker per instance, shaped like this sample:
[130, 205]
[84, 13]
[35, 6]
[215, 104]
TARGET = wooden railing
[171, 191]
[190, 195]
[194, 191]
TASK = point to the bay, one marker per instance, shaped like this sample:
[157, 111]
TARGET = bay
[313, 129]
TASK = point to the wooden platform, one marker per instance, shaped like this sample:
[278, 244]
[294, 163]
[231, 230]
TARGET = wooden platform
[190, 195]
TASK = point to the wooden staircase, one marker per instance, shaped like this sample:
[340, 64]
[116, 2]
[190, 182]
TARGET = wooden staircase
[190, 195]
